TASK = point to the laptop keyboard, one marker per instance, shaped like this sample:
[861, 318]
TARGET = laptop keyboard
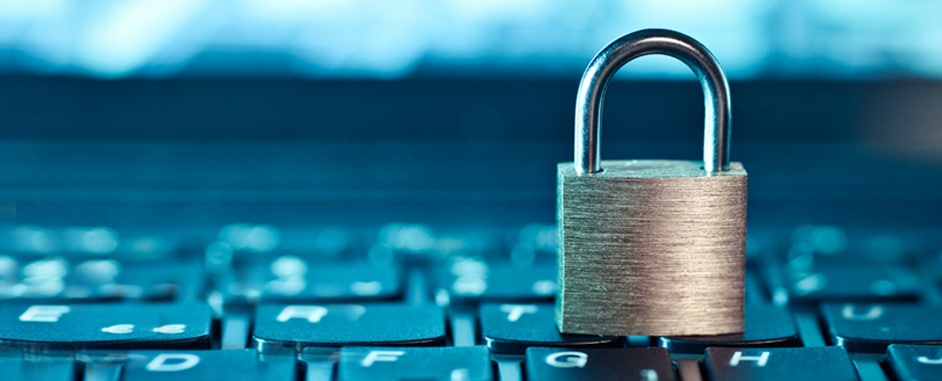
[409, 302]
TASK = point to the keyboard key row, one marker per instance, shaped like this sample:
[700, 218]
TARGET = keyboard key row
[903, 362]
[467, 363]
[826, 242]
[504, 328]
[462, 281]
[355, 363]
[54, 279]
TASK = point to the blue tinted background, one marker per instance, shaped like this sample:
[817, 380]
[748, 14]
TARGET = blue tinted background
[199, 113]
[395, 39]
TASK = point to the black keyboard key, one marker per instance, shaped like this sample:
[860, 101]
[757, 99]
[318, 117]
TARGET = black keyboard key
[871, 328]
[646, 364]
[289, 279]
[470, 281]
[206, 365]
[851, 283]
[915, 362]
[78, 326]
[766, 326]
[298, 326]
[445, 364]
[51, 369]
[511, 328]
[785, 364]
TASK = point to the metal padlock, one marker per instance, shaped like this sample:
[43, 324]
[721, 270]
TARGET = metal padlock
[651, 247]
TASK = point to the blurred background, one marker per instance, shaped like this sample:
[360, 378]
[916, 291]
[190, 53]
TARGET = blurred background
[194, 114]
[460, 38]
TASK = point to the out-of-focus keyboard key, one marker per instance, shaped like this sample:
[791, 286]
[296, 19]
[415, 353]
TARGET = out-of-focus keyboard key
[599, 364]
[766, 326]
[52, 279]
[18, 369]
[154, 281]
[871, 328]
[850, 283]
[229, 365]
[511, 328]
[470, 280]
[832, 245]
[297, 326]
[90, 326]
[780, 364]
[915, 362]
[290, 279]
[444, 364]
[535, 244]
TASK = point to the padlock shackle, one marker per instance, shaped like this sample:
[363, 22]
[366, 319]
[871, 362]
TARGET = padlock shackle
[591, 95]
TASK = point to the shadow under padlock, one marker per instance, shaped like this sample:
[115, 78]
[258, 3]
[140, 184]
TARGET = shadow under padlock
[651, 247]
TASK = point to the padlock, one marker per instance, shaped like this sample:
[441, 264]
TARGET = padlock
[651, 247]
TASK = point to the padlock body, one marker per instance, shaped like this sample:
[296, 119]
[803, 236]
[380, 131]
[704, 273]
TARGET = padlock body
[651, 248]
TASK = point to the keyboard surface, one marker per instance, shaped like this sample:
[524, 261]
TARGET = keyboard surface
[124, 254]
[409, 301]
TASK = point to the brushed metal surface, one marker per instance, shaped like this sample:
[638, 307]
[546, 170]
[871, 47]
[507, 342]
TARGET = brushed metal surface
[651, 248]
